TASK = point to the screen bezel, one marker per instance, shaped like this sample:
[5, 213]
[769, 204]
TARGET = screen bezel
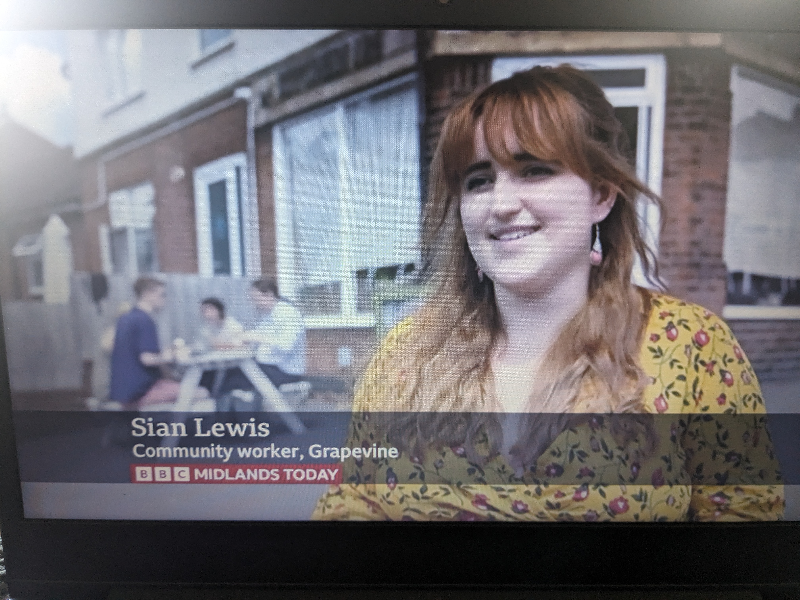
[94, 556]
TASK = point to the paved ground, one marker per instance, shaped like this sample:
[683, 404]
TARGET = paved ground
[782, 396]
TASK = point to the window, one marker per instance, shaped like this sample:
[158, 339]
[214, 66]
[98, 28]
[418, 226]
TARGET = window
[211, 39]
[121, 51]
[762, 221]
[128, 241]
[636, 87]
[348, 202]
[28, 249]
[220, 188]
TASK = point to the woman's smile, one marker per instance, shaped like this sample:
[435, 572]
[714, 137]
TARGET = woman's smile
[513, 232]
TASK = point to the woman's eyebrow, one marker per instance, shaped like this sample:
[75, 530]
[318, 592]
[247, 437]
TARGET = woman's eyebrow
[479, 166]
[526, 157]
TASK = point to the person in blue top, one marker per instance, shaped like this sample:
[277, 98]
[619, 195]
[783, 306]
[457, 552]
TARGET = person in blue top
[137, 358]
[279, 338]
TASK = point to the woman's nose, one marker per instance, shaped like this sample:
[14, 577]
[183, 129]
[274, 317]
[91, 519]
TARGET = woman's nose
[506, 197]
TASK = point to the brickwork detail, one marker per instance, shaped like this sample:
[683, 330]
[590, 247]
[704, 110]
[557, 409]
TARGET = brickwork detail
[219, 135]
[772, 346]
[695, 176]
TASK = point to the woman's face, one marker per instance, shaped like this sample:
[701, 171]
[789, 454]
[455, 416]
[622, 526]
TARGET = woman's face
[528, 225]
[210, 314]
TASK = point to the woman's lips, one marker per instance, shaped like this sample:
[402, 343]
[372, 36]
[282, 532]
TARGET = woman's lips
[510, 234]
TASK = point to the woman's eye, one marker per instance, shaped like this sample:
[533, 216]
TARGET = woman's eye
[476, 182]
[537, 171]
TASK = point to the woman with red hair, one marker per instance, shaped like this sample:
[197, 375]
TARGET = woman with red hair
[537, 382]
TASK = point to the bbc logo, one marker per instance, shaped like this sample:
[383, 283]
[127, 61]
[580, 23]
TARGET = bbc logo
[161, 474]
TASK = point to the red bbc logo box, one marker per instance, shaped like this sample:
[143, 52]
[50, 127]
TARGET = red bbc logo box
[330, 474]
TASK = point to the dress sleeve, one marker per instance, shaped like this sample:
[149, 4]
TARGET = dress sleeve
[377, 390]
[729, 454]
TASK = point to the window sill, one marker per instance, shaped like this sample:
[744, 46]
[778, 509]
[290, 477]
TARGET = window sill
[365, 320]
[761, 312]
[212, 51]
[120, 104]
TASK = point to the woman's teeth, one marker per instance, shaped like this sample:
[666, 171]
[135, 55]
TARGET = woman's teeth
[513, 235]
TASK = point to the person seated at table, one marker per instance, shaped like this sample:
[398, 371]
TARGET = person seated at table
[219, 330]
[136, 359]
[280, 341]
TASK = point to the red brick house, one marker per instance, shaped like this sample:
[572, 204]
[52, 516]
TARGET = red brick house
[684, 98]
[312, 168]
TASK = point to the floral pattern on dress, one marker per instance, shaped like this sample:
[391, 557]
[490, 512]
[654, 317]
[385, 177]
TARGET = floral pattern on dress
[696, 370]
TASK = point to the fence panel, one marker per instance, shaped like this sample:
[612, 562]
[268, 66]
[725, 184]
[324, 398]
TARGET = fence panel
[43, 346]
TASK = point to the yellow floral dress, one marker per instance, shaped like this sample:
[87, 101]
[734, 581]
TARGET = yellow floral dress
[713, 460]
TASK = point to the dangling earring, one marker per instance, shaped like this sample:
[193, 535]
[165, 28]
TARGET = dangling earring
[479, 271]
[596, 255]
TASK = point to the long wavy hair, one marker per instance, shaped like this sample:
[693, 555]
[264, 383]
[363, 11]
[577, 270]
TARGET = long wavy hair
[557, 114]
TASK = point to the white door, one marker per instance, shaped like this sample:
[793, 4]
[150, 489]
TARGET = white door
[220, 188]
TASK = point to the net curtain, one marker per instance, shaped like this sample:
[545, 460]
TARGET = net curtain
[353, 186]
[763, 212]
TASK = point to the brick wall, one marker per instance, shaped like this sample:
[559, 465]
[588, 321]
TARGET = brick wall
[696, 136]
[219, 135]
[772, 346]
[696, 149]
[447, 81]
[322, 346]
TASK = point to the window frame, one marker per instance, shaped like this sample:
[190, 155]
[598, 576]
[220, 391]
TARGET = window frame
[349, 316]
[105, 231]
[650, 100]
[202, 55]
[134, 86]
[28, 249]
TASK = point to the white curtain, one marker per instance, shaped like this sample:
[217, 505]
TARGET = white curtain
[383, 179]
[350, 176]
[762, 228]
[311, 150]
[132, 207]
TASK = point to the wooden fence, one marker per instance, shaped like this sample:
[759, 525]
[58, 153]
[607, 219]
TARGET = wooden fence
[43, 346]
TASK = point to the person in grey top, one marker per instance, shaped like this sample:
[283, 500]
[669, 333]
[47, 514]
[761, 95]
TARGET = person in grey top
[280, 340]
[280, 334]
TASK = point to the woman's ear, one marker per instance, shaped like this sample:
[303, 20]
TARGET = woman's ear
[605, 195]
